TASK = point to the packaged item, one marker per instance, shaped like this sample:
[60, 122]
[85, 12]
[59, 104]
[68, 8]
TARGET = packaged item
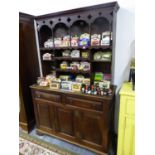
[50, 77]
[57, 42]
[98, 76]
[85, 66]
[106, 56]
[64, 77]
[76, 86]
[102, 92]
[85, 54]
[55, 83]
[95, 39]
[75, 65]
[103, 84]
[83, 88]
[86, 89]
[75, 54]
[102, 56]
[64, 65]
[65, 41]
[48, 43]
[74, 41]
[66, 53]
[89, 90]
[42, 81]
[66, 85]
[107, 77]
[98, 55]
[79, 78]
[47, 56]
[86, 81]
[106, 36]
[98, 90]
[84, 40]
[69, 67]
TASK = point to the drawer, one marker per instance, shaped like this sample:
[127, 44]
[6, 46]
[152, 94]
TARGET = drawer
[84, 103]
[48, 96]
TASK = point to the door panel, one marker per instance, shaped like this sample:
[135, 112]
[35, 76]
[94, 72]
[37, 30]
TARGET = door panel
[45, 115]
[88, 127]
[65, 121]
[91, 128]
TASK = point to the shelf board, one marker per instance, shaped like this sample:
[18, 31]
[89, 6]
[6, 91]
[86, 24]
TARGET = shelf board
[71, 48]
[45, 48]
[101, 47]
[100, 61]
[59, 48]
[74, 47]
[69, 58]
[48, 60]
[80, 47]
[73, 71]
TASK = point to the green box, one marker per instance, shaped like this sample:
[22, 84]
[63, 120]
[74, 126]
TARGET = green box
[98, 76]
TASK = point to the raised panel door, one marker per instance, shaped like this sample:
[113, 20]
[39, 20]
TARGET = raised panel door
[45, 115]
[89, 130]
[64, 122]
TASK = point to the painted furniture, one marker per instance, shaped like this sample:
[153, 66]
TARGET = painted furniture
[126, 130]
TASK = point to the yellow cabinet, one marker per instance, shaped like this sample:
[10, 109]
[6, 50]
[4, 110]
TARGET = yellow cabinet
[126, 127]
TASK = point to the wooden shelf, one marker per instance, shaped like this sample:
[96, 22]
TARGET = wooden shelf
[73, 71]
[49, 60]
[101, 47]
[46, 49]
[75, 48]
[100, 61]
[63, 48]
[72, 48]
[72, 59]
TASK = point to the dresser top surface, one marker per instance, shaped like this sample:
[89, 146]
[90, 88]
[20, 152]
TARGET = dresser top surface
[106, 97]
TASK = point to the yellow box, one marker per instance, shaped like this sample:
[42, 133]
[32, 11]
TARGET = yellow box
[76, 87]
[55, 85]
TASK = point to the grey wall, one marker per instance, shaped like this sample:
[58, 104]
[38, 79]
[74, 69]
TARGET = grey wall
[125, 50]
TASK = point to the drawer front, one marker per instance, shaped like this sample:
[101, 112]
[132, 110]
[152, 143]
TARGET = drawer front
[84, 103]
[48, 96]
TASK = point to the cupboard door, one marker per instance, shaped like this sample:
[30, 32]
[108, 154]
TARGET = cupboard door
[45, 115]
[64, 121]
[89, 129]
[92, 128]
